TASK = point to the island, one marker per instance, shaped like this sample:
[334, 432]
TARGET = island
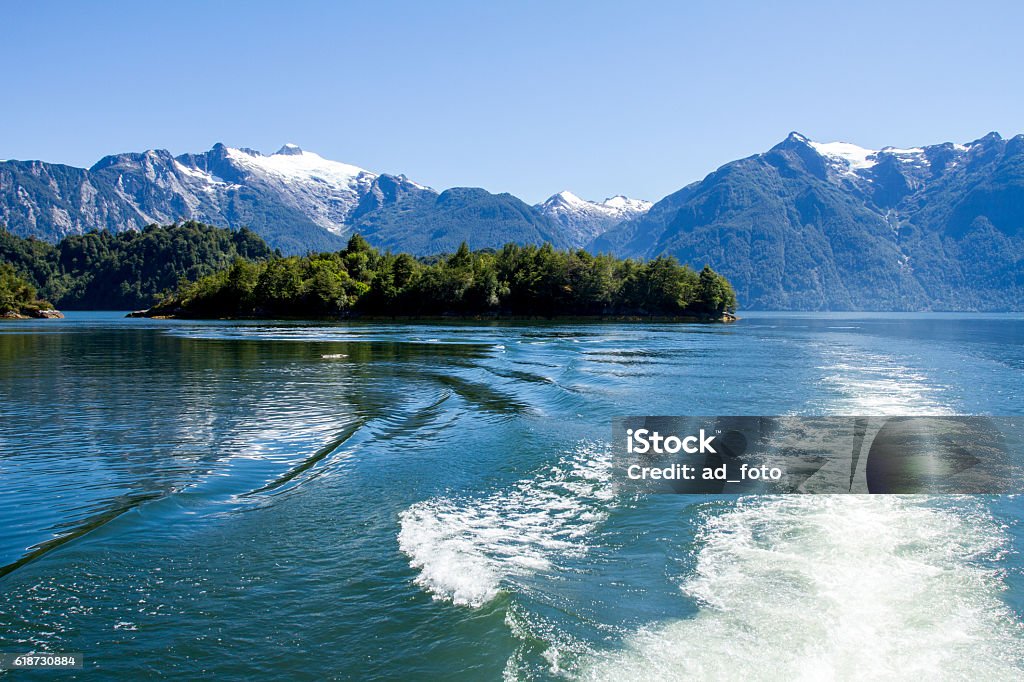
[192, 270]
[514, 282]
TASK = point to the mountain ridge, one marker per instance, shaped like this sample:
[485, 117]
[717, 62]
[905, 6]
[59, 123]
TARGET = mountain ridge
[295, 199]
[808, 225]
[803, 225]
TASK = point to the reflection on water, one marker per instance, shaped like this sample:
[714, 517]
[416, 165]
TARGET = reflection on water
[120, 416]
[432, 500]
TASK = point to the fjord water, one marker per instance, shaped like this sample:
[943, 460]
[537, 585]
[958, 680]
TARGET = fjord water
[372, 501]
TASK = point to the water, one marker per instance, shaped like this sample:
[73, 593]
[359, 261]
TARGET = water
[358, 501]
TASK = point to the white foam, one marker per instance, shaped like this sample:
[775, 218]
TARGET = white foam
[466, 548]
[836, 587]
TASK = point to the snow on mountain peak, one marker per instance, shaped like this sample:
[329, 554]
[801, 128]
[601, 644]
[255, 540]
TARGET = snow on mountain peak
[289, 149]
[293, 164]
[911, 155]
[326, 190]
[851, 156]
[584, 219]
[618, 205]
[568, 198]
[849, 159]
[624, 204]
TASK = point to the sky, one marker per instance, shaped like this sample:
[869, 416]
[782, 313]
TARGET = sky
[601, 98]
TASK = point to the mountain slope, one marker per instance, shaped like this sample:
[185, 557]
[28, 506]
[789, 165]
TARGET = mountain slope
[421, 221]
[50, 201]
[809, 225]
[295, 200]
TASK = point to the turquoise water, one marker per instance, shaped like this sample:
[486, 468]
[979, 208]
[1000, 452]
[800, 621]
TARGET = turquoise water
[359, 501]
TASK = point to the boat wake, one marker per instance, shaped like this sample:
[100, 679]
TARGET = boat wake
[465, 549]
[836, 587]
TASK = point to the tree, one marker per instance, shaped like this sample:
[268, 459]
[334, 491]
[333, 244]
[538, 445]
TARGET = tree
[518, 280]
[714, 293]
[16, 295]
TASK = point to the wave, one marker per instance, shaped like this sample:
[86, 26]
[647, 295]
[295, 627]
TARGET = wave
[836, 587]
[465, 549]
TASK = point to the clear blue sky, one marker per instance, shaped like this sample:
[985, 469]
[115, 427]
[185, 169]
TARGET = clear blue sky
[638, 98]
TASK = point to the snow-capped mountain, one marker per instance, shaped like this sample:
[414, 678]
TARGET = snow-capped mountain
[584, 220]
[852, 163]
[295, 199]
[884, 177]
[832, 225]
[849, 159]
[806, 224]
[326, 191]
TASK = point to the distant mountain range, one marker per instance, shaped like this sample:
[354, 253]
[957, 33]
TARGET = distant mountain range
[813, 226]
[296, 200]
[805, 225]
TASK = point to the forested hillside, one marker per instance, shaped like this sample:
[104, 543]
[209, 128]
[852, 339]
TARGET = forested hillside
[128, 270]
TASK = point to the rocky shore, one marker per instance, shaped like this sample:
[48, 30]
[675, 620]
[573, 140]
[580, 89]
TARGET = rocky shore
[41, 314]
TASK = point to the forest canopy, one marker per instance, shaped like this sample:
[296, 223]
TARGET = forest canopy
[527, 281]
[128, 270]
[195, 270]
[17, 296]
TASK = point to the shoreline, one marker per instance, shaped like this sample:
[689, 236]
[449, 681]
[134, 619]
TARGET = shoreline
[44, 314]
[725, 318]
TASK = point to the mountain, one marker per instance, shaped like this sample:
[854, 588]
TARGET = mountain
[296, 200]
[584, 220]
[419, 220]
[804, 225]
[809, 225]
